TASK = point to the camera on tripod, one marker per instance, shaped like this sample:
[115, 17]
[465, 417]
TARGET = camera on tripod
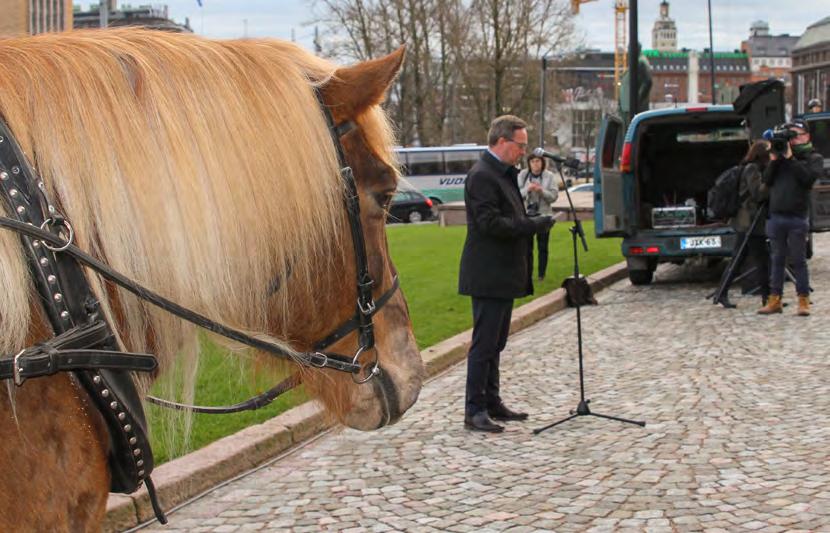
[780, 139]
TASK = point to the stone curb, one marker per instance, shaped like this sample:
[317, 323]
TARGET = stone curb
[186, 477]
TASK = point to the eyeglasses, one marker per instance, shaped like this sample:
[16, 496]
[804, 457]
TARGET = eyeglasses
[523, 146]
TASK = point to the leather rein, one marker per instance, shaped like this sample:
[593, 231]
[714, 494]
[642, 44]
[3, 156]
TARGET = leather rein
[85, 345]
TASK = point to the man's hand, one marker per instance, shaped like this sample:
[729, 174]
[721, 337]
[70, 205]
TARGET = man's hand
[543, 223]
[535, 187]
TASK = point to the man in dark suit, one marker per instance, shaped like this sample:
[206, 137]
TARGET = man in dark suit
[496, 266]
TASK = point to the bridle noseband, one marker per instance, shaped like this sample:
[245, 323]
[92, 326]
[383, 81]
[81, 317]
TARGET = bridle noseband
[85, 345]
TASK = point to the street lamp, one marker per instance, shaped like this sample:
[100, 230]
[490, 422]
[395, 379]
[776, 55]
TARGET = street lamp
[542, 103]
[633, 59]
[711, 51]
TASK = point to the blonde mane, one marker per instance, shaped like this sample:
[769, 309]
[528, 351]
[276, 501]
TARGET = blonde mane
[201, 168]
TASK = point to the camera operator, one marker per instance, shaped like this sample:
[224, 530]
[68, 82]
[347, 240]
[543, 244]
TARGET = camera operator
[794, 167]
[539, 191]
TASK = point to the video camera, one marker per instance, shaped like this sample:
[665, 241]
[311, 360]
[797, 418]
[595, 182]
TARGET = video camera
[780, 137]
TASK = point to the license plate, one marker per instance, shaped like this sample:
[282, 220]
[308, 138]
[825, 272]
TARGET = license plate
[689, 243]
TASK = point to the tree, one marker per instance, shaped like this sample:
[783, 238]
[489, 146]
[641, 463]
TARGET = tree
[467, 60]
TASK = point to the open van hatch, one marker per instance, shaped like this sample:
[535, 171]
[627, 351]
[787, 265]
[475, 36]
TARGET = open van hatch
[677, 163]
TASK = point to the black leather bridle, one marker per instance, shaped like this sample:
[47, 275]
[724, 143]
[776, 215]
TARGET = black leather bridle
[85, 345]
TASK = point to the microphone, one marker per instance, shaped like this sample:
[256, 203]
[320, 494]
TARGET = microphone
[567, 161]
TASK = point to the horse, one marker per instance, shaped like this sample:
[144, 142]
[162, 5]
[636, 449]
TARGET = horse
[206, 171]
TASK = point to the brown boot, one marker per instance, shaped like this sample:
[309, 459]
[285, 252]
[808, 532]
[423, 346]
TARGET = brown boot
[803, 305]
[773, 305]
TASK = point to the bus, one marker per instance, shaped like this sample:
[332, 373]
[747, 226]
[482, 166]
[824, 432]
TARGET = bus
[439, 172]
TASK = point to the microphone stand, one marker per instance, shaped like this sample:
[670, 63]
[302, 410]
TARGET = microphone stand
[582, 409]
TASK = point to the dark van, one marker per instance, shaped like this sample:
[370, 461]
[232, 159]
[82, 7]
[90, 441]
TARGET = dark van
[651, 184]
[819, 124]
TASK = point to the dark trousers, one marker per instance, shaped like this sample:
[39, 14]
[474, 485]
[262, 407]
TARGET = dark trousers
[491, 324]
[542, 240]
[756, 254]
[788, 241]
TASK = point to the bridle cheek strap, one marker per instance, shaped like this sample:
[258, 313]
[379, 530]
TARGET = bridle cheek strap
[359, 319]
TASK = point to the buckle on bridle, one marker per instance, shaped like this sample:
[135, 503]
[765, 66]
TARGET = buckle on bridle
[18, 379]
[368, 309]
[324, 362]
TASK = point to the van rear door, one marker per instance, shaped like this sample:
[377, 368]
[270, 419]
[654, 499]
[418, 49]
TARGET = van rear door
[611, 212]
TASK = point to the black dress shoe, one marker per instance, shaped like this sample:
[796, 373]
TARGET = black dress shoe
[481, 422]
[500, 412]
[724, 301]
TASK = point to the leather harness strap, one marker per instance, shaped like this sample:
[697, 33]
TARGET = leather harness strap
[257, 402]
[354, 322]
[315, 359]
[68, 302]
[72, 350]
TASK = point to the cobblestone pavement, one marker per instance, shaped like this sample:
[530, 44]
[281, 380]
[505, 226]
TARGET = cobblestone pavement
[738, 426]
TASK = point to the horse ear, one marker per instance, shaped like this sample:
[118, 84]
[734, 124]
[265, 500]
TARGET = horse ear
[353, 89]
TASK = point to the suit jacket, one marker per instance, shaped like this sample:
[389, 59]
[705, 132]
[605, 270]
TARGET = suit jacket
[497, 257]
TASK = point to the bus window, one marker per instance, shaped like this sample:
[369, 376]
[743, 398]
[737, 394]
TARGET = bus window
[424, 163]
[460, 162]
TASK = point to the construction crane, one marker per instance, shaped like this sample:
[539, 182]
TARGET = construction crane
[620, 38]
[576, 3]
[620, 44]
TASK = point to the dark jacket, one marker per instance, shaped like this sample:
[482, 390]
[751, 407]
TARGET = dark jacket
[497, 257]
[790, 181]
[754, 195]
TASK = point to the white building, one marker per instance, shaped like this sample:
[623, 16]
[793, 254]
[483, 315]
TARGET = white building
[664, 32]
[769, 55]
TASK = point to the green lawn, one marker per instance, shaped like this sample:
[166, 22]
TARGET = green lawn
[427, 258]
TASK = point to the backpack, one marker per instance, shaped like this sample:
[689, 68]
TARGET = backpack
[723, 198]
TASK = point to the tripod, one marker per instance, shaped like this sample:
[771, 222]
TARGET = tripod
[734, 264]
[582, 409]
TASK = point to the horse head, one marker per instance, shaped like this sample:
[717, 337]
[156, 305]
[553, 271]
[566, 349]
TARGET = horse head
[353, 96]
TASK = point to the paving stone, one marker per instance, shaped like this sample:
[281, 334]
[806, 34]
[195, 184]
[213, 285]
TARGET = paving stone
[736, 406]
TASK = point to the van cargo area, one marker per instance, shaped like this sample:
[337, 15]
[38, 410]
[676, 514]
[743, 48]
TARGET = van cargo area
[677, 164]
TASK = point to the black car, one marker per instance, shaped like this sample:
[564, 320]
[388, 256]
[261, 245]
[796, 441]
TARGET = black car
[409, 205]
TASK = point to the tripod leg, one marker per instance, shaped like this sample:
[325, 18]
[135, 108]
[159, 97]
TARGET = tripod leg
[537, 431]
[736, 260]
[618, 419]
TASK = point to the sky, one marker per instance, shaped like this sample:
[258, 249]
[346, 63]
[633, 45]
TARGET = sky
[730, 24]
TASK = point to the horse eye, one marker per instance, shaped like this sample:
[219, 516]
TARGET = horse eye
[384, 199]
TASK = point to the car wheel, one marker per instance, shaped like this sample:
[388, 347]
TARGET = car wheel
[640, 277]
[415, 216]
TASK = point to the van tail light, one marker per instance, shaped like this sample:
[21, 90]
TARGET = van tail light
[636, 250]
[652, 250]
[625, 158]
[429, 202]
